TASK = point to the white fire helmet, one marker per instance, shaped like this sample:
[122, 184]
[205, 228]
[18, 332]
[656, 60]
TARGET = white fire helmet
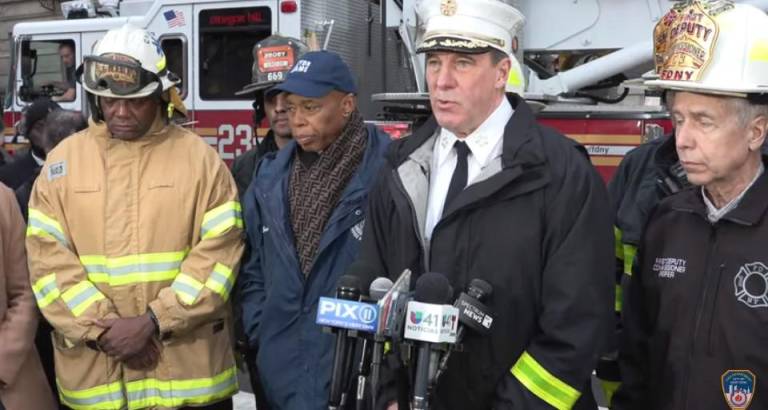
[127, 62]
[712, 47]
[468, 26]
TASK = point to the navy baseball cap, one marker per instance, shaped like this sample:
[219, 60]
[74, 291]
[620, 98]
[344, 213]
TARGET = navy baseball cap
[316, 74]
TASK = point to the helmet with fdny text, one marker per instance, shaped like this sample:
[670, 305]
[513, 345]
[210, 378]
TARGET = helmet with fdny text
[713, 47]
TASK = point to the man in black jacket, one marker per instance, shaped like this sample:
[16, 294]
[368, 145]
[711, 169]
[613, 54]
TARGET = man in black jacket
[696, 303]
[483, 191]
[28, 164]
[645, 176]
[272, 58]
[59, 124]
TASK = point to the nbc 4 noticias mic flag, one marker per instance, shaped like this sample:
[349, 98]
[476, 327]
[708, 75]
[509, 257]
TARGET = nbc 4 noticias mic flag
[347, 314]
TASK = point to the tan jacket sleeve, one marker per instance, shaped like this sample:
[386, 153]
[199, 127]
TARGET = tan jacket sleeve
[64, 294]
[17, 329]
[201, 290]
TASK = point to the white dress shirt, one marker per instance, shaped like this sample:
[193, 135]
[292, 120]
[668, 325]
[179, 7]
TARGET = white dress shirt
[485, 144]
[39, 161]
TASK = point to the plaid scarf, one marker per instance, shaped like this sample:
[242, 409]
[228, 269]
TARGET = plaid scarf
[314, 190]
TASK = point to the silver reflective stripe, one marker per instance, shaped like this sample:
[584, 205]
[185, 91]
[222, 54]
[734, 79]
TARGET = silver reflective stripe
[232, 214]
[53, 231]
[45, 290]
[222, 280]
[114, 397]
[180, 393]
[81, 297]
[185, 289]
[142, 268]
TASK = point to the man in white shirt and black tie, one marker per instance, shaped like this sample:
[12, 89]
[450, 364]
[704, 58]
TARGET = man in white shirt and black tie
[483, 191]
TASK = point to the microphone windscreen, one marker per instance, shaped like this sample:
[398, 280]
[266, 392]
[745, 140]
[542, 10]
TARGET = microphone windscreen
[480, 288]
[434, 288]
[379, 288]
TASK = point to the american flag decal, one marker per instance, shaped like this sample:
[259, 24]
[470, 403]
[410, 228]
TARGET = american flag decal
[174, 18]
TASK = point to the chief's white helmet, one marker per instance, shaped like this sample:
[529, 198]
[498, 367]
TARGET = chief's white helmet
[713, 47]
[127, 62]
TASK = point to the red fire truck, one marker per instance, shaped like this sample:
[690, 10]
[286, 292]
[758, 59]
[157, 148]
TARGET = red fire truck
[577, 59]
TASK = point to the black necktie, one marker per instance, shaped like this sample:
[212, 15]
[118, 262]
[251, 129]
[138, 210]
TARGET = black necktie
[459, 179]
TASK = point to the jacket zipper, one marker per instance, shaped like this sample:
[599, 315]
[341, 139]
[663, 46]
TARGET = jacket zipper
[710, 338]
[701, 306]
[419, 236]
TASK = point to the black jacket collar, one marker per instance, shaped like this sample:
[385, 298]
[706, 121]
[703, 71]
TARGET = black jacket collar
[522, 158]
[749, 212]
[520, 145]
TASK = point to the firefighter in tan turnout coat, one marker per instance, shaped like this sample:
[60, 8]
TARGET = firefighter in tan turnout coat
[134, 239]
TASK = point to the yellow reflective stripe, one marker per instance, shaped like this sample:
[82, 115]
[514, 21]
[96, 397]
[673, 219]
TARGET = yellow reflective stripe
[221, 218]
[630, 251]
[104, 397]
[46, 290]
[617, 242]
[609, 389]
[187, 288]
[41, 224]
[543, 384]
[96, 266]
[81, 296]
[130, 269]
[176, 393]
[619, 299]
[221, 281]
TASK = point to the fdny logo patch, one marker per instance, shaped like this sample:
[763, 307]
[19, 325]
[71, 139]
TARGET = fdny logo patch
[667, 268]
[738, 388]
[357, 230]
[57, 170]
[751, 285]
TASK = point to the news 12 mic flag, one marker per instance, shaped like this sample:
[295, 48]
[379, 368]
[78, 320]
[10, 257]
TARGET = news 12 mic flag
[347, 314]
[431, 323]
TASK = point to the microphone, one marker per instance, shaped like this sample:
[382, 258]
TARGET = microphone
[392, 307]
[345, 315]
[379, 288]
[473, 314]
[431, 321]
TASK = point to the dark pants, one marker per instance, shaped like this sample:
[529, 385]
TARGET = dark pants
[258, 389]
[45, 350]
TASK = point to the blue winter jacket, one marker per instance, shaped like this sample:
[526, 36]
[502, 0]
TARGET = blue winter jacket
[279, 304]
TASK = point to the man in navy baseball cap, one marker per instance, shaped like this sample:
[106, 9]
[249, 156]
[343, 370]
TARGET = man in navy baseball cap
[320, 97]
[311, 195]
